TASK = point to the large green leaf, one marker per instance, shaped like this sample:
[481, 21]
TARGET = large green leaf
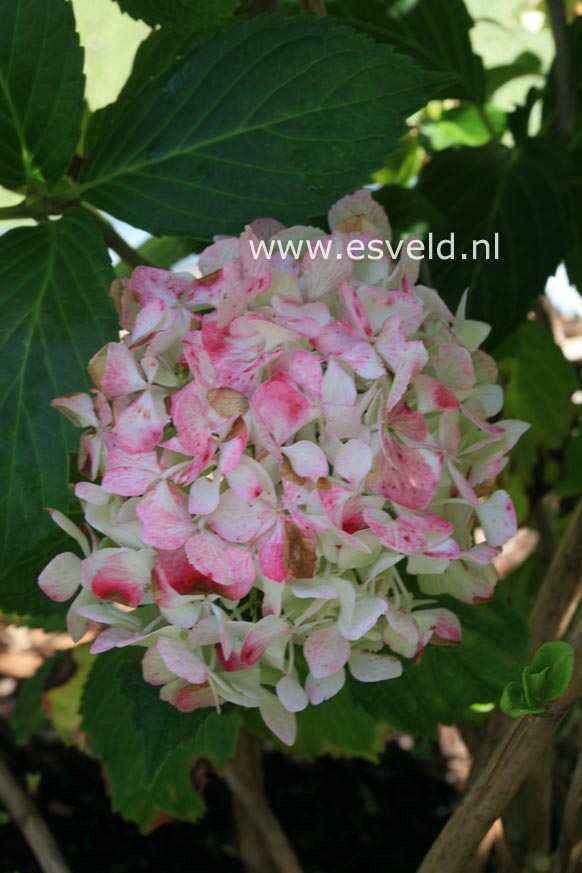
[180, 13]
[447, 681]
[517, 194]
[56, 315]
[41, 90]
[539, 383]
[270, 117]
[434, 32]
[145, 746]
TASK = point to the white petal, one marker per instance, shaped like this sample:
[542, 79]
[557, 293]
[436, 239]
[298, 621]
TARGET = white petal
[368, 667]
[291, 694]
[276, 717]
[319, 690]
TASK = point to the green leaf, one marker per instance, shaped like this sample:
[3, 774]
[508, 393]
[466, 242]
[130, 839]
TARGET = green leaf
[495, 190]
[56, 315]
[549, 672]
[270, 117]
[545, 678]
[41, 90]
[447, 681]
[409, 211]
[434, 32]
[161, 54]
[165, 729]
[462, 125]
[180, 13]
[539, 383]
[570, 484]
[148, 769]
[573, 258]
[340, 727]
[525, 64]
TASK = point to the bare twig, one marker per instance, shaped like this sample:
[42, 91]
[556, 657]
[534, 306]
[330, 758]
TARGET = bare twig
[564, 66]
[561, 590]
[556, 602]
[572, 821]
[240, 774]
[498, 783]
[116, 242]
[9, 213]
[31, 825]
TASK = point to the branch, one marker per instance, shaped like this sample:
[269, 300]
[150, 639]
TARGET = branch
[514, 757]
[561, 590]
[8, 213]
[564, 68]
[239, 775]
[116, 242]
[572, 821]
[33, 829]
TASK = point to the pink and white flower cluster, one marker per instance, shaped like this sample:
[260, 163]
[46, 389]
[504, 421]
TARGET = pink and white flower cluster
[265, 449]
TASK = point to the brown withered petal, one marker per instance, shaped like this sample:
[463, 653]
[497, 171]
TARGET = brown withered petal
[356, 224]
[299, 553]
[288, 473]
[227, 401]
[238, 426]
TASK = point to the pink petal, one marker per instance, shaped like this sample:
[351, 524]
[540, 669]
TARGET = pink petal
[326, 652]
[280, 410]
[115, 372]
[61, 578]
[164, 515]
[305, 369]
[323, 274]
[182, 661]
[260, 637]
[189, 417]
[156, 284]
[130, 475]
[122, 576]
[241, 521]
[272, 554]
[406, 475]
[78, 408]
[139, 426]
[353, 462]
[307, 459]
[433, 395]
[497, 517]
[230, 566]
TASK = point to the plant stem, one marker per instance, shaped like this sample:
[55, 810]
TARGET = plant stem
[8, 213]
[116, 242]
[561, 590]
[498, 783]
[267, 850]
[564, 66]
[571, 833]
[33, 828]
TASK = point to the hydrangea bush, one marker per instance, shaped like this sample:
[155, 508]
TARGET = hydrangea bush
[284, 463]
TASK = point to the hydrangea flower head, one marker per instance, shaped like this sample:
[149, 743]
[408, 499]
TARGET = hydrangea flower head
[271, 451]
